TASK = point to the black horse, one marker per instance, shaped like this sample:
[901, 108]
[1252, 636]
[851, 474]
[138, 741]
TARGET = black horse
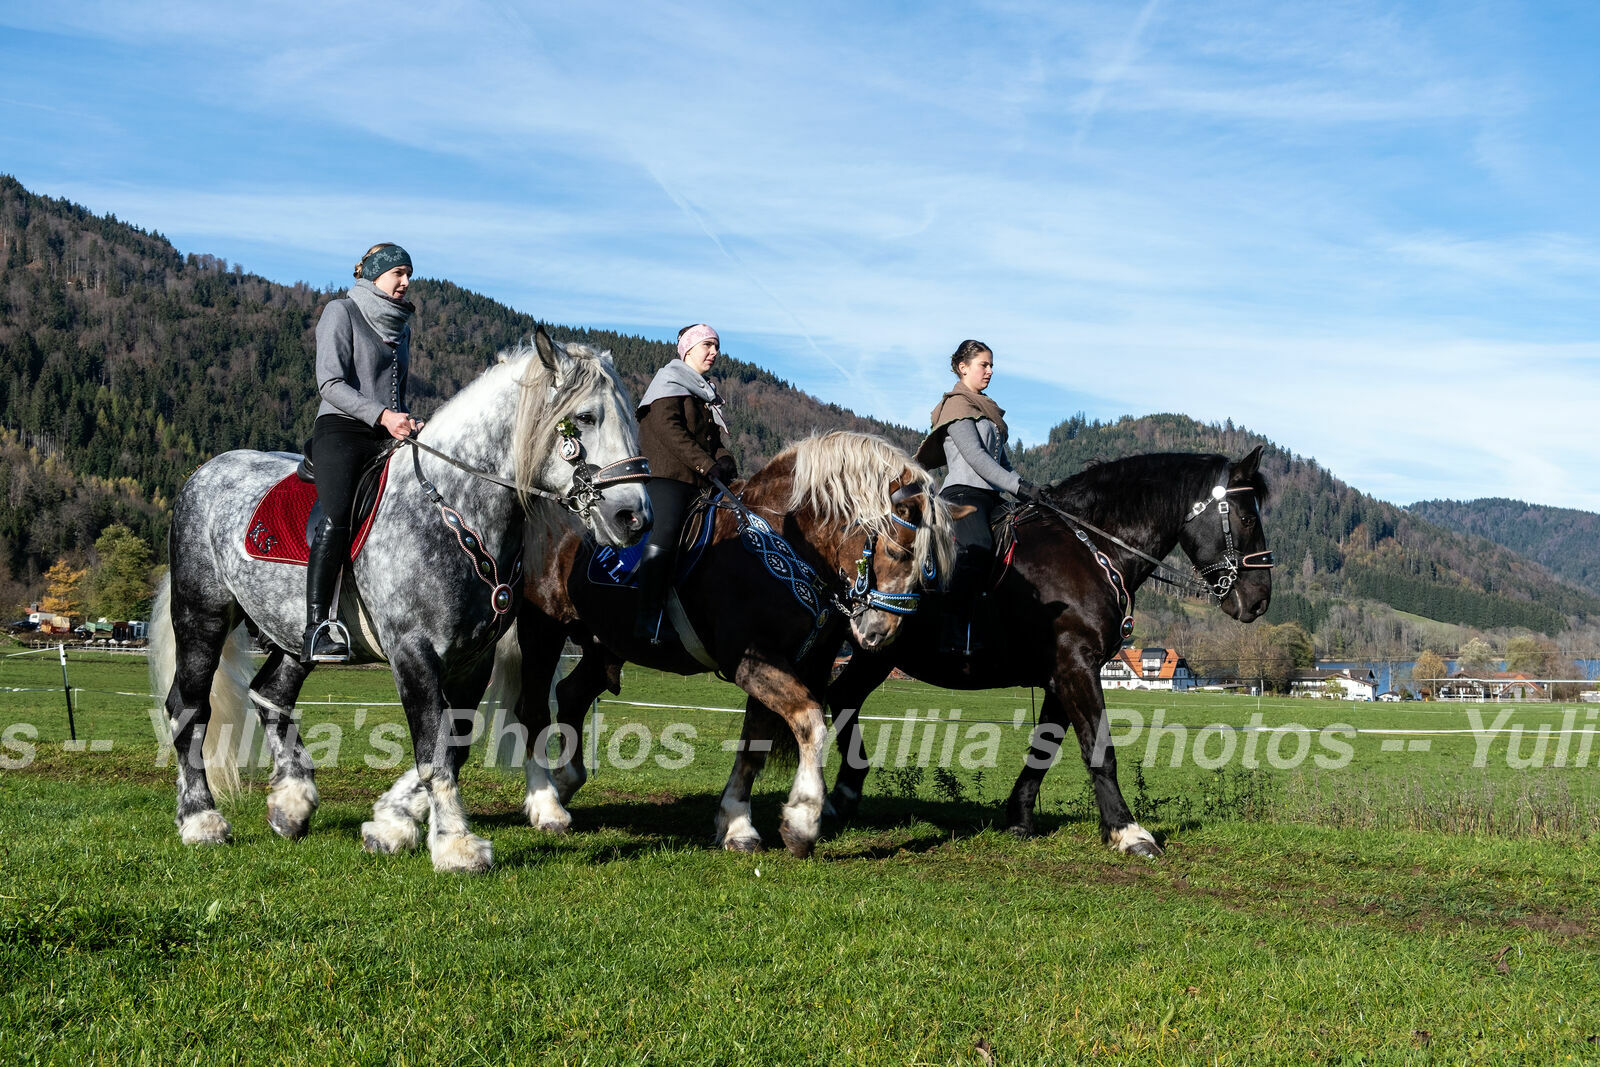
[1063, 605]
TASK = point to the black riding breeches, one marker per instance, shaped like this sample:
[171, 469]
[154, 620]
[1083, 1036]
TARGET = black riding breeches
[974, 541]
[669, 503]
[341, 449]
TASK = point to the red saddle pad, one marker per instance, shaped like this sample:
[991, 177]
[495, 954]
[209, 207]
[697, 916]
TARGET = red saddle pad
[277, 530]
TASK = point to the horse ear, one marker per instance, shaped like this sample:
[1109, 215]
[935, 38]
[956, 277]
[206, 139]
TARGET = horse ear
[1244, 471]
[545, 347]
[605, 357]
[960, 511]
[553, 356]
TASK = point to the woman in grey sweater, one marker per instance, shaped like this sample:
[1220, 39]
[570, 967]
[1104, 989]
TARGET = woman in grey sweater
[969, 437]
[363, 362]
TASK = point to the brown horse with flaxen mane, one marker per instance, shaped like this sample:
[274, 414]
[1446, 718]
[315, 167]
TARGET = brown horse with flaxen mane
[836, 535]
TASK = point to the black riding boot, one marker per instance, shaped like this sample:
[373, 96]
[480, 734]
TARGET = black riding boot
[961, 633]
[324, 642]
[655, 576]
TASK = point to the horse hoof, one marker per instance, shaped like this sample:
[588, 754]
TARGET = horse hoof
[290, 805]
[287, 828]
[799, 847]
[386, 839]
[1021, 831]
[742, 844]
[205, 828]
[1134, 840]
[553, 826]
[462, 854]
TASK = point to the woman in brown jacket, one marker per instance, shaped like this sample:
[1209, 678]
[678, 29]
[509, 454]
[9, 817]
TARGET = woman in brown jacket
[683, 435]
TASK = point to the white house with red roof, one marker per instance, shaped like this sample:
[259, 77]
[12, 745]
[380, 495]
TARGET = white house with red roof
[1147, 668]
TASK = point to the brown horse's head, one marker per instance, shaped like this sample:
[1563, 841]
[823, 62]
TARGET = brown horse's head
[876, 522]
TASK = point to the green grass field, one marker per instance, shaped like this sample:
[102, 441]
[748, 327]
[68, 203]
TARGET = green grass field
[1395, 904]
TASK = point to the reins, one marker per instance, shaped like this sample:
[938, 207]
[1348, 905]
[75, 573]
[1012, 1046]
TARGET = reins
[1229, 564]
[589, 483]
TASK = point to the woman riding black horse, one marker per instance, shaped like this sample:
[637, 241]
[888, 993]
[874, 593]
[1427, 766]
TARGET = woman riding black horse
[363, 362]
[681, 433]
[969, 437]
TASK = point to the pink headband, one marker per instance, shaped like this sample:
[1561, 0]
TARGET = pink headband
[693, 336]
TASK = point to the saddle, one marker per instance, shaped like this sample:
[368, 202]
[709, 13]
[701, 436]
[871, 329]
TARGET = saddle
[286, 517]
[618, 567]
[1003, 528]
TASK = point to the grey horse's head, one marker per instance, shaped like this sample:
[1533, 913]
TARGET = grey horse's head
[575, 422]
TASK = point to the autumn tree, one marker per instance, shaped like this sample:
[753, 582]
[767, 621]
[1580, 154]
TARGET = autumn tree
[1476, 658]
[1427, 671]
[64, 589]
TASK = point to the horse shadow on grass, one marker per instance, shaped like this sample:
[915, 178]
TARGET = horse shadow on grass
[620, 826]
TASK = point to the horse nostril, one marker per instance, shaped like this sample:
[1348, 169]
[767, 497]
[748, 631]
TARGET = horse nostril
[630, 520]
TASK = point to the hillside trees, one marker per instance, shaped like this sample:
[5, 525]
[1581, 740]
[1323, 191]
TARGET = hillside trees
[120, 583]
[123, 365]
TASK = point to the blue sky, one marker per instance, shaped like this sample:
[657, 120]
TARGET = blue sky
[1368, 231]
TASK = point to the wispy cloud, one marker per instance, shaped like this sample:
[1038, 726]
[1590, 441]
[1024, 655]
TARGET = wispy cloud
[1343, 225]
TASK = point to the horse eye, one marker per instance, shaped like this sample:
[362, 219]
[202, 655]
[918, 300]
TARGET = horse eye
[896, 553]
[585, 417]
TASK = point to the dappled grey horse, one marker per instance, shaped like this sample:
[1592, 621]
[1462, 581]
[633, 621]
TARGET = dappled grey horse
[435, 585]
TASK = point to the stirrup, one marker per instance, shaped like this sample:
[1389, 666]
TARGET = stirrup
[648, 628]
[335, 632]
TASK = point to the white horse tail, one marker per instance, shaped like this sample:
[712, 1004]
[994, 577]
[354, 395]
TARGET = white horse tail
[505, 689]
[231, 731]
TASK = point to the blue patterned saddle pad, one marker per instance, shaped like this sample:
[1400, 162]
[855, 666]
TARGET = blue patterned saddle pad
[619, 566]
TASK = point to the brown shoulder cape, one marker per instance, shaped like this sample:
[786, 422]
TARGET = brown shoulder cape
[959, 403]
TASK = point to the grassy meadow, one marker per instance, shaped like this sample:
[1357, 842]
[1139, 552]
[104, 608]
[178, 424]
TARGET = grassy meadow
[1364, 893]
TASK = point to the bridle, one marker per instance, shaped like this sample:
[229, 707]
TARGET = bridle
[1227, 566]
[589, 484]
[862, 594]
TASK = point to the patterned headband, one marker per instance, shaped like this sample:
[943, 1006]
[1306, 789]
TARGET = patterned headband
[384, 260]
[693, 336]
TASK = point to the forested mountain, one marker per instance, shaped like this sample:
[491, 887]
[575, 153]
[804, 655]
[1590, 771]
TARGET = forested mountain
[1565, 540]
[124, 364]
[1336, 544]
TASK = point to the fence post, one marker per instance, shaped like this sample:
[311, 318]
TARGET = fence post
[594, 739]
[66, 687]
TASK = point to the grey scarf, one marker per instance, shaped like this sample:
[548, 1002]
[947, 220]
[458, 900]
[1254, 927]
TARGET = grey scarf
[679, 379]
[387, 316]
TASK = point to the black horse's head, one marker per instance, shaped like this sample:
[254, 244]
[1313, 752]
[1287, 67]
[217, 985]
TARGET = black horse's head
[1224, 538]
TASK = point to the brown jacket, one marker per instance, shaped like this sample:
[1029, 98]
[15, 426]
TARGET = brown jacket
[680, 439]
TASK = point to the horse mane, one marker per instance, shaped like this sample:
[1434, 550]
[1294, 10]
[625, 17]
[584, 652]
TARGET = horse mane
[844, 478]
[538, 413]
[1139, 489]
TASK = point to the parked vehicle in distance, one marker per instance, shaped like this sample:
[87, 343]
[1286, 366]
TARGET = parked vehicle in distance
[22, 626]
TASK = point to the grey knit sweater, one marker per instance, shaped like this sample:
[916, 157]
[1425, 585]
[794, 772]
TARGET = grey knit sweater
[975, 451]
